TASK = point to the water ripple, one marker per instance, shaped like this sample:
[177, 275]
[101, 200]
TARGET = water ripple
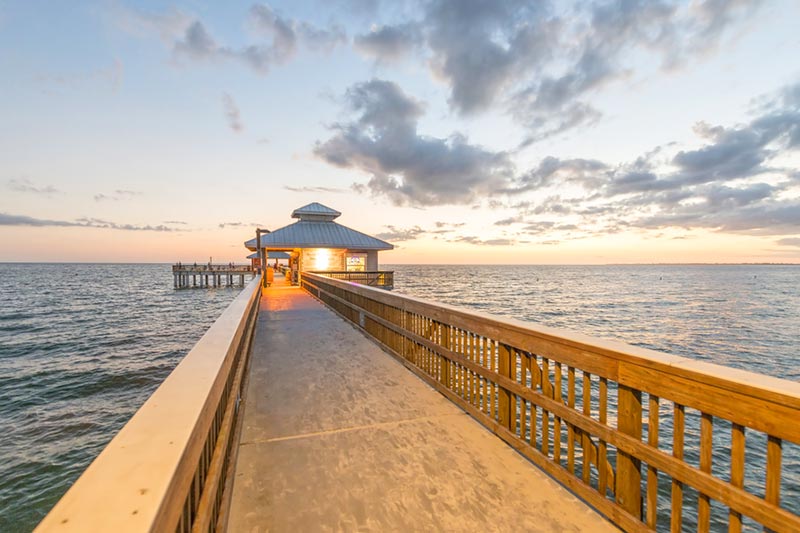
[81, 348]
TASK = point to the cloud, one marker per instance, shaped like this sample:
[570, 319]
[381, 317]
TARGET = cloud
[483, 242]
[334, 190]
[732, 182]
[223, 225]
[401, 234]
[542, 64]
[789, 241]
[389, 43]
[27, 186]
[405, 166]
[278, 38]
[118, 195]
[181, 222]
[232, 113]
[23, 220]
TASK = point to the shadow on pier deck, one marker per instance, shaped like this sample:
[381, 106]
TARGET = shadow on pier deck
[338, 435]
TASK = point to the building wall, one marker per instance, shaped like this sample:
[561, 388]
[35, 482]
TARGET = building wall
[372, 260]
[322, 259]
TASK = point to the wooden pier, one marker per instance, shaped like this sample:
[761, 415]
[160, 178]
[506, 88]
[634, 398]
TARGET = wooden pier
[208, 275]
[397, 413]
[365, 445]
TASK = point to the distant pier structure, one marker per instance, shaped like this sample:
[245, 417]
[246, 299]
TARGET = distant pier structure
[210, 275]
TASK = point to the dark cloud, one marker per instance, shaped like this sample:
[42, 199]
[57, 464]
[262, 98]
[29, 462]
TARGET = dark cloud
[407, 167]
[732, 183]
[389, 43]
[23, 220]
[480, 47]
[181, 222]
[586, 172]
[27, 186]
[543, 64]
[232, 113]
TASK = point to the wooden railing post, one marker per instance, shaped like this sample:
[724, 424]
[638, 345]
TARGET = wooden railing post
[505, 408]
[629, 471]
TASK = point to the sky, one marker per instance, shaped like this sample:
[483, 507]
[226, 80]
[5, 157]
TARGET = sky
[461, 131]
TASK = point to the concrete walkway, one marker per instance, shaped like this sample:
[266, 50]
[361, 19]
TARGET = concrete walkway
[338, 436]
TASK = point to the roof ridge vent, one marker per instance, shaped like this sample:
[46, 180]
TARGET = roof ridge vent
[316, 212]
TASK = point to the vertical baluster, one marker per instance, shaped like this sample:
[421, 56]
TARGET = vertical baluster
[547, 391]
[490, 386]
[536, 376]
[706, 443]
[679, 420]
[602, 478]
[474, 351]
[505, 412]
[586, 439]
[773, 481]
[523, 407]
[737, 473]
[629, 474]
[557, 420]
[652, 472]
[570, 429]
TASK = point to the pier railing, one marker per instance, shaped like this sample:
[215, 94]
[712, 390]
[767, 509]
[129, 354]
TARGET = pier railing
[167, 468]
[383, 279]
[235, 269]
[652, 441]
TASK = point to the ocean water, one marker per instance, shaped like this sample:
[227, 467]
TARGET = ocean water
[743, 316]
[82, 346]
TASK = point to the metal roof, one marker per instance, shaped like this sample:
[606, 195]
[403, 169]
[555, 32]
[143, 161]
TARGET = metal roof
[315, 209]
[319, 234]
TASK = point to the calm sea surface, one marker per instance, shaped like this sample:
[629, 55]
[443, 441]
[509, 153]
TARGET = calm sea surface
[82, 346]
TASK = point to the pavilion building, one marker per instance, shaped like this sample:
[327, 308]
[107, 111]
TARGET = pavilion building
[315, 243]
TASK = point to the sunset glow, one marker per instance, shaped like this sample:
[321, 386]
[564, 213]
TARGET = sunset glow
[460, 131]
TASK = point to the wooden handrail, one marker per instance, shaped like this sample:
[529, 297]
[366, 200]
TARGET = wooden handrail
[373, 278]
[166, 469]
[596, 414]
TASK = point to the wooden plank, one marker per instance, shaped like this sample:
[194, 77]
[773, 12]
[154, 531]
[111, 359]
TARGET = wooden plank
[629, 475]
[773, 481]
[547, 390]
[557, 421]
[652, 472]
[679, 424]
[706, 449]
[570, 427]
[737, 473]
[585, 438]
[757, 413]
[602, 452]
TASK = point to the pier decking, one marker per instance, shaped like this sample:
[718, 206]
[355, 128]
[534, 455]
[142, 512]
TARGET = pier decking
[338, 435]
